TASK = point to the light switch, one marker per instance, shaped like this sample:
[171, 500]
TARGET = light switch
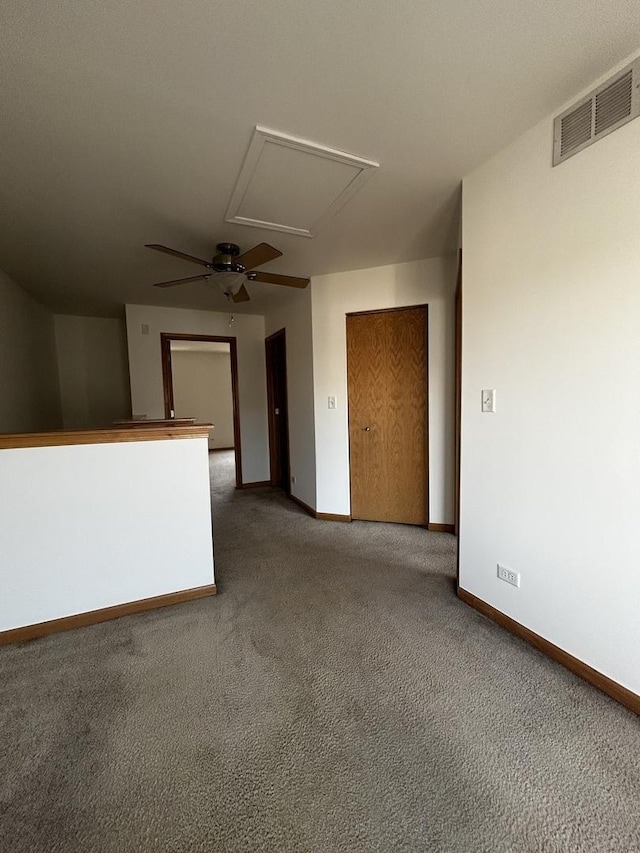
[331, 401]
[489, 400]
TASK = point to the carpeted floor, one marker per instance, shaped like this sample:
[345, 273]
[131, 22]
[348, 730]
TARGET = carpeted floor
[335, 696]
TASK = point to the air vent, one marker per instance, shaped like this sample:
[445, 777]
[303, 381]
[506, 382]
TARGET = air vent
[575, 128]
[602, 111]
[613, 104]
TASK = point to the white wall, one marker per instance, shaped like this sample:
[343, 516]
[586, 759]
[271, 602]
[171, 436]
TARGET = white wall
[91, 526]
[202, 389]
[145, 367]
[93, 370]
[333, 296]
[29, 393]
[551, 319]
[295, 317]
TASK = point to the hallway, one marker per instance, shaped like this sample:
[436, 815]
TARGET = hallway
[335, 697]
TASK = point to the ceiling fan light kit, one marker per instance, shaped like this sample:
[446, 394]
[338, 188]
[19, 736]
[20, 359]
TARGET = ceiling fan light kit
[232, 269]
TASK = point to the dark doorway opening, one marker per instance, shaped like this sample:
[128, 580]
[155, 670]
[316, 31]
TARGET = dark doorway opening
[276, 362]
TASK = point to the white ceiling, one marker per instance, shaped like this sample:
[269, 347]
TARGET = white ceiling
[125, 123]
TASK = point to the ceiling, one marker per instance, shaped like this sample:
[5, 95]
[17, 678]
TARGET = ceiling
[127, 123]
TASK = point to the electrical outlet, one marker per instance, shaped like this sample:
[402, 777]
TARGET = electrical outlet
[509, 576]
[331, 402]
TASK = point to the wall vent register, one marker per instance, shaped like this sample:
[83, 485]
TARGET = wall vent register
[605, 109]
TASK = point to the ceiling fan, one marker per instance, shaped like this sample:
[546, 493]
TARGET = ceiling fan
[232, 268]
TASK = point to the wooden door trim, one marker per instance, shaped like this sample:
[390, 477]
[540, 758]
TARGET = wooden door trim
[386, 310]
[458, 408]
[281, 333]
[167, 382]
[425, 308]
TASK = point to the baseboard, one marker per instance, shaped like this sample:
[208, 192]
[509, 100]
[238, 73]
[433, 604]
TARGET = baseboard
[322, 516]
[440, 528]
[303, 506]
[616, 691]
[332, 516]
[219, 449]
[92, 617]
[254, 485]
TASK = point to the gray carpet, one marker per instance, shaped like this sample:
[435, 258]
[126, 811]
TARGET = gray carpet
[336, 696]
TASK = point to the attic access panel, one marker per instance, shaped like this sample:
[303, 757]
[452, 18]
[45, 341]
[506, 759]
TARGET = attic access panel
[293, 185]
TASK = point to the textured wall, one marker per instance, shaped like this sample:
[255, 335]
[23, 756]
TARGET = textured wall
[29, 391]
[294, 316]
[415, 283]
[551, 309]
[145, 365]
[202, 389]
[94, 372]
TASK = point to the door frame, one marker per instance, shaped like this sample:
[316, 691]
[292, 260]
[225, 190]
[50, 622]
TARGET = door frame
[425, 307]
[167, 383]
[458, 415]
[281, 333]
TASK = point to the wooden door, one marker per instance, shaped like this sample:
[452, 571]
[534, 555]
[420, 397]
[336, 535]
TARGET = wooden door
[387, 384]
[277, 401]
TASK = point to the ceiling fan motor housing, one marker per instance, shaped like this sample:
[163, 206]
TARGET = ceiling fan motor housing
[224, 260]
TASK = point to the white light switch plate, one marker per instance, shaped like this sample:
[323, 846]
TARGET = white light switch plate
[331, 402]
[489, 400]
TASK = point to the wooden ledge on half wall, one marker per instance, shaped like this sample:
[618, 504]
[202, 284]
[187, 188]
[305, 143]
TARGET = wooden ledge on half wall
[125, 431]
[96, 533]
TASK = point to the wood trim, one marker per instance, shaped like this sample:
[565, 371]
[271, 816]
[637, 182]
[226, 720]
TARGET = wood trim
[332, 516]
[254, 485]
[458, 406]
[129, 423]
[321, 516]
[92, 617]
[425, 307]
[616, 691]
[271, 426]
[436, 527]
[235, 395]
[303, 506]
[167, 374]
[386, 310]
[167, 382]
[110, 435]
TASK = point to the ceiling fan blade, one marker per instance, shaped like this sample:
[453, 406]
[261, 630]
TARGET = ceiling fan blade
[241, 296]
[177, 254]
[273, 278]
[180, 281]
[260, 254]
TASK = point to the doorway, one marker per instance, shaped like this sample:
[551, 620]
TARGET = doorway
[277, 403]
[388, 418]
[200, 379]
